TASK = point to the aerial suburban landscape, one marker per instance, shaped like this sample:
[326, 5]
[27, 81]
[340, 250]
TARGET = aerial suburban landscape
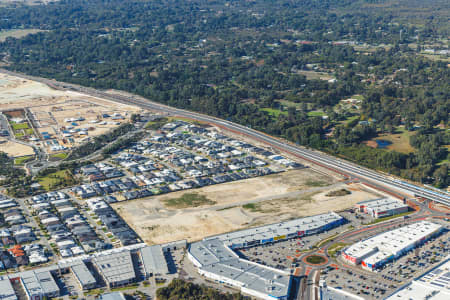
[224, 149]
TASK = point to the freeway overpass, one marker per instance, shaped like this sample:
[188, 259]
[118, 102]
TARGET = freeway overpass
[319, 158]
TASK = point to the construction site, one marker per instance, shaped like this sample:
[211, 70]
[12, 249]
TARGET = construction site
[54, 120]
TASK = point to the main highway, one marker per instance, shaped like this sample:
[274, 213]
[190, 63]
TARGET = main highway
[380, 180]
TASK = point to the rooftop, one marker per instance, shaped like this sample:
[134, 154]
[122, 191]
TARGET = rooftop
[279, 229]
[433, 285]
[82, 273]
[153, 260]
[382, 204]
[39, 281]
[218, 259]
[6, 289]
[392, 242]
[116, 266]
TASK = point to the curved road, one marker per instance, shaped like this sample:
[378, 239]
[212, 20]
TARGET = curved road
[383, 181]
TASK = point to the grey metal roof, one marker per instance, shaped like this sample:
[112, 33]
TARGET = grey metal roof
[153, 260]
[211, 251]
[252, 276]
[39, 281]
[218, 259]
[6, 289]
[82, 273]
[112, 296]
[115, 267]
[278, 229]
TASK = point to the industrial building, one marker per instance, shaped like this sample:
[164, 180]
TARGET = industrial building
[37, 284]
[384, 207]
[376, 251]
[83, 276]
[218, 262]
[433, 285]
[116, 268]
[153, 260]
[6, 289]
[214, 257]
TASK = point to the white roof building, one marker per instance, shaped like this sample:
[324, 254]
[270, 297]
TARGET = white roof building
[376, 250]
[433, 285]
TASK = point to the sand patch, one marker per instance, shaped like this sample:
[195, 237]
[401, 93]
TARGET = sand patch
[15, 149]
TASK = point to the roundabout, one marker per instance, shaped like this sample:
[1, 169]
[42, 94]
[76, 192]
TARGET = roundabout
[315, 260]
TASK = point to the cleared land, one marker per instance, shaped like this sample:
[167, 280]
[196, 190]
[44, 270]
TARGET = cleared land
[51, 109]
[16, 33]
[15, 149]
[274, 198]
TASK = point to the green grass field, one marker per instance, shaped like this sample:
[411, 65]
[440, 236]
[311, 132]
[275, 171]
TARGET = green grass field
[16, 33]
[29, 131]
[23, 159]
[61, 156]
[350, 119]
[316, 113]
[290, 103]
[274, 112]
[251, 206]
[399, 140]
[55, 179]
[336, 247]
[18, 126]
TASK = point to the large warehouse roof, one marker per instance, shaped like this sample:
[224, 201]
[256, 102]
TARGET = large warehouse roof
[218, 259]
[211, 251]
[279, 229]
[383, 204]
[392, 242]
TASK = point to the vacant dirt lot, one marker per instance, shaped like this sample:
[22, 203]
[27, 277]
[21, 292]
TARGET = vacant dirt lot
[261, 187]
[15, 149]
[274, 198]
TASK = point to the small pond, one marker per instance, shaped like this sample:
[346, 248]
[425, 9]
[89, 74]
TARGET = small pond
[382, 143]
